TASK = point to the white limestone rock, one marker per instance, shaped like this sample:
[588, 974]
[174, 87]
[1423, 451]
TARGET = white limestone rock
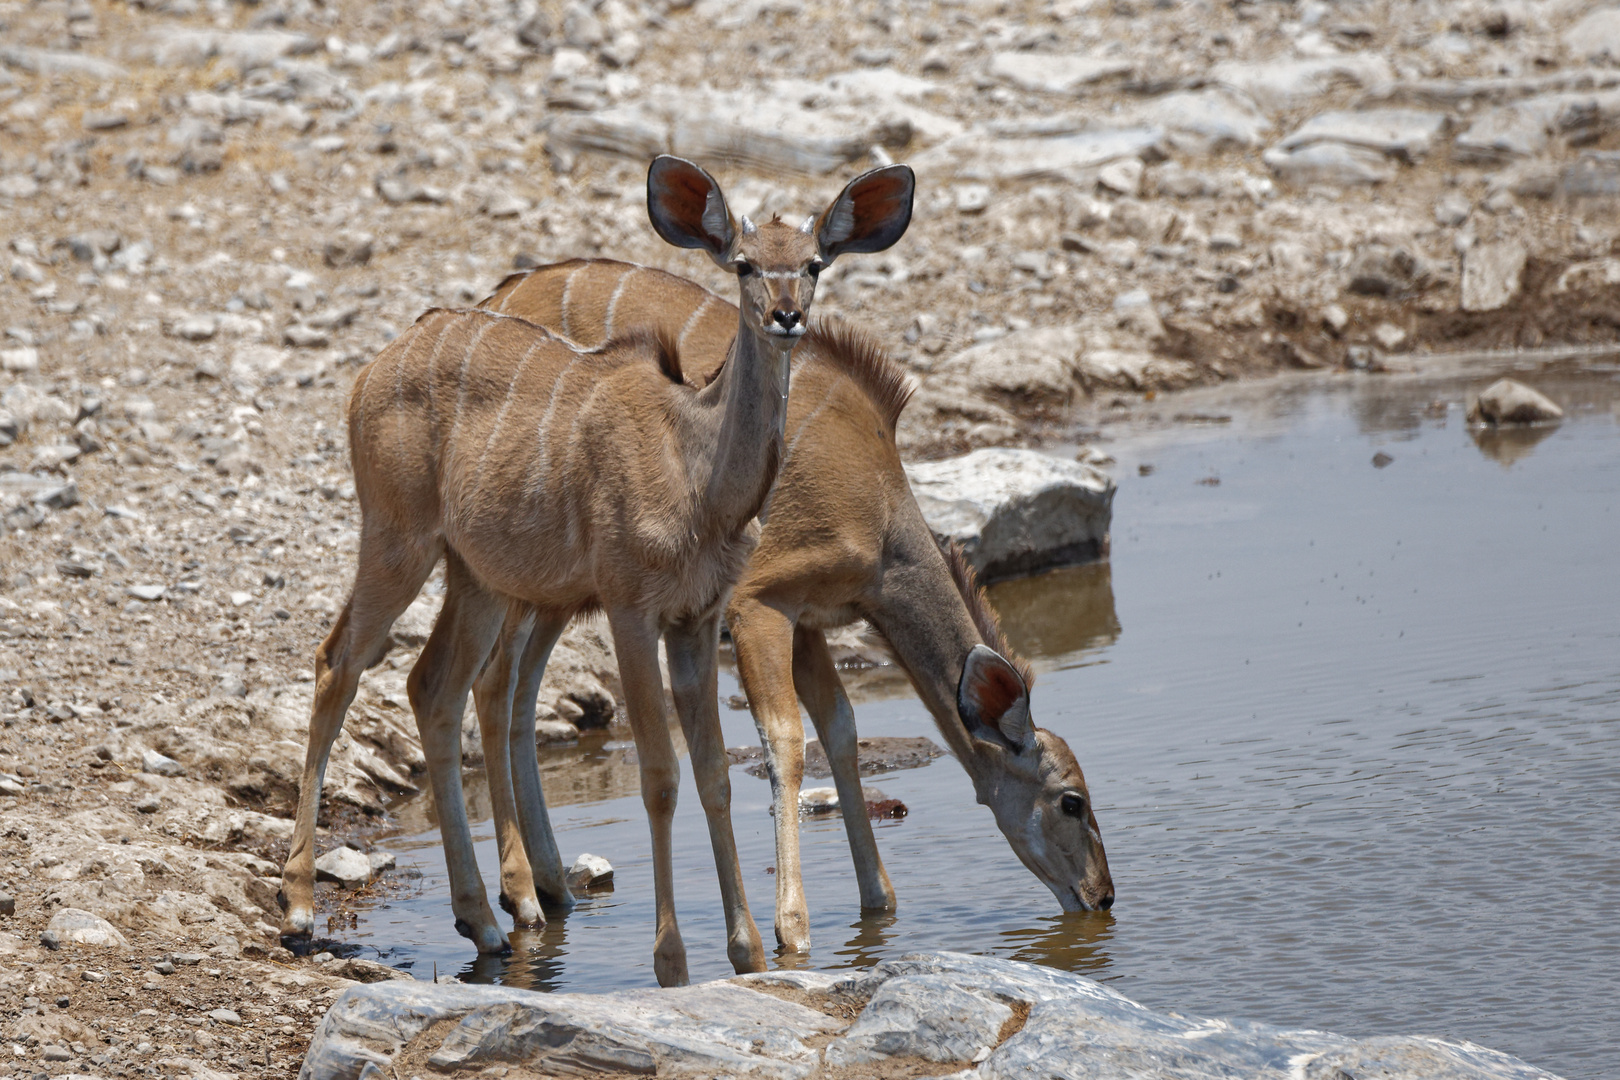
[1016, 511]
[589, 871]
[1059, 73]
[1406, 134]
[1492, 275]
[1507, 401]
[81, 927]
[346, 866]
[1331, 163]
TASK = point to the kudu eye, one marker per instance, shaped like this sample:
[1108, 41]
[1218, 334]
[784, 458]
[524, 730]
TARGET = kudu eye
[743, 267]
[1073, 804]
[815, 267]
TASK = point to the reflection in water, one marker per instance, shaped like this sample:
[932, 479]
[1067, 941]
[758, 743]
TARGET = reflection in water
[536, 962]
[1070, 941]
[1507, 445]
[873, 932]
[1060, 615]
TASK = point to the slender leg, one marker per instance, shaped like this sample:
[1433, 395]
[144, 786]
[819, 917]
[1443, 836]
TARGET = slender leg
[455, 653]
[823, 695]
[692, 663]
[763, 638]
[391, 570]
[635, 638]
[545, 861]
[492, 694]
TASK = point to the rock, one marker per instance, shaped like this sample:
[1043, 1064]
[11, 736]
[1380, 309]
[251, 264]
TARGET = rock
[1595, 174]
[56, 1053]
[1492, 274]
[874, 754]
[50, 62]
[82, 928]
[1380, 270]
[1055, 73]
[349, 868]
[1122, 177]
[1452, 209]
[1016, 511]
[18, 186]
[941, 1007]
[304, 336]
[1405, 134]
[381, 862]
[148, 804]
[506, 205]
[348, 249]
[243, 49]
[103, 120]
[824, 800]
[163, 967]
[225, 1016]
[1278, 85]
[1330, 163]
[162, 765]
[1066, 157]
[1506, 401]
[20, 361]
[1596, 36]
[589, 871]
[196, 328]
[1207, 121]
[1036, 367]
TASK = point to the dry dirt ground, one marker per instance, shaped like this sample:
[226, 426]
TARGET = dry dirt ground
[212, 213]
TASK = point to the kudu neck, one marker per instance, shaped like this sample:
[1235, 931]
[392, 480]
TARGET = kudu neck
[744, 414]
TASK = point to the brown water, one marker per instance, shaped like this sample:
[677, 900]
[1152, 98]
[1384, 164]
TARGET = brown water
[1353, 735]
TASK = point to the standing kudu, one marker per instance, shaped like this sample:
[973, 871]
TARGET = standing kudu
[843, 540]
[556, 480]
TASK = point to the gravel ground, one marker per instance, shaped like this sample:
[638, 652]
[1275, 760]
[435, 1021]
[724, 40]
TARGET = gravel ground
[213, 213]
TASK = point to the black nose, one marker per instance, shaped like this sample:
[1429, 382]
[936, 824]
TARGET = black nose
[1107, 901]
[788, 319]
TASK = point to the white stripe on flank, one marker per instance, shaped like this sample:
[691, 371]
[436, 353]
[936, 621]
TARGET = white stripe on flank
[433, 377]
[540, 472]
[692, 320]
[613, 303]
[568, 284]
[798, 432]
[506, 404]
[461, 388]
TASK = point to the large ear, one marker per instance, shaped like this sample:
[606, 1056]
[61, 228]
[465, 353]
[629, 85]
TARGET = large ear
[993, 700]
[870, 214]
[687, 208]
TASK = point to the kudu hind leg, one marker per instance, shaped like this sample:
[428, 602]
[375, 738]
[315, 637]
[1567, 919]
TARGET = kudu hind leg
[692, 670]
[822, 692]
[635, 639]
[492, 696]
[763, 639]
[389, 575]
[466, 631]
[545, 861]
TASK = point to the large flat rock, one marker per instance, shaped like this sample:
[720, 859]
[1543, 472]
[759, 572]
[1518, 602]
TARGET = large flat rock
[1016, 511]
[976, 1017]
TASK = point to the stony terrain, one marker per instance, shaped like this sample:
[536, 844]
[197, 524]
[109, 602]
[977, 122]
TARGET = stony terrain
[213, 213]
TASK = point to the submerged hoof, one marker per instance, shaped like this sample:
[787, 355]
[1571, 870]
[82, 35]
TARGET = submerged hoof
[488, 939]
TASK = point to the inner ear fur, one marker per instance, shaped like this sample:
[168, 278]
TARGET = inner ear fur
[993, 699]
[687, 207]
[870, 214]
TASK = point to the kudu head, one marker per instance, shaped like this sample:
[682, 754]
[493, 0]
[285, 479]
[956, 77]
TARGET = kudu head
[1030, 780]
[777, 264]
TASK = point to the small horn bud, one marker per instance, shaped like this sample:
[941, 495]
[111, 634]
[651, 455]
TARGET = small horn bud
[748, 227]
[809, 225]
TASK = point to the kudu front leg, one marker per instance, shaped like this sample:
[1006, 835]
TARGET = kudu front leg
[545, 861]
[466, 631]
[692, 662]
[822, 692]
[763, 638]
[389, 575]
[635, 639]
[492, 695]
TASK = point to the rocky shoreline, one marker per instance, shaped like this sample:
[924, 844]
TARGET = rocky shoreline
[920, 1015]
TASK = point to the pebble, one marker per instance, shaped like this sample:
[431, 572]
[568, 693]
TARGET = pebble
[161, 764]
[589, 871]
[56, 1053]
[225, 1016]
[8, 904]
[163, 967]
[1492, 274]
[1508, 401]
[347, 867]
[147, 592]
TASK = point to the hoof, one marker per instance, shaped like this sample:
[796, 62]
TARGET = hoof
[488, 939]
[670, 972]
[793, 936]
[560, 905]
[526, 914]
[297, 931]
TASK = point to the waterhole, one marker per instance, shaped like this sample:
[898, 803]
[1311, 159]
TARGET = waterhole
[1352, 731]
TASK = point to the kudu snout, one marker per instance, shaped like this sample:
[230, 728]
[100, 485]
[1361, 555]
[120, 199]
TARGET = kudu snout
[788, 317]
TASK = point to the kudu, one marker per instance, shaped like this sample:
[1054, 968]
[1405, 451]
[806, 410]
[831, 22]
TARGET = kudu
[556, 480]
[843, 540]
